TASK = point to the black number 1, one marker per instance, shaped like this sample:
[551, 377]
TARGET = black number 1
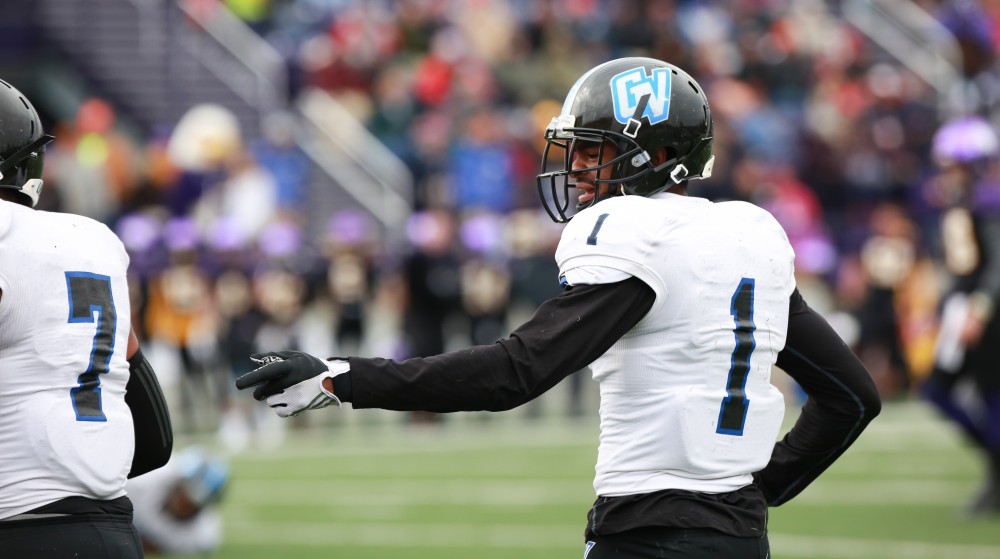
[90, 293]
[592, 239]
[733, 412]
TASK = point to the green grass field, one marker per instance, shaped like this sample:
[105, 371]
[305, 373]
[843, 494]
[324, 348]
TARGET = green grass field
[509, 487]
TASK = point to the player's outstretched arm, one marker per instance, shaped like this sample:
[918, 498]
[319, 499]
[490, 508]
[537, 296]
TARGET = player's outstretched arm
[565, 335]
[842, 401]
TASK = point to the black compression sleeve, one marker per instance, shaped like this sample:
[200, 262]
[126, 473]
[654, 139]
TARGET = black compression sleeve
[565, 334]
[154, 436]
[842, 401]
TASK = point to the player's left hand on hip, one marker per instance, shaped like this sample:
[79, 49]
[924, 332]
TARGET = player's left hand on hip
[292, 382]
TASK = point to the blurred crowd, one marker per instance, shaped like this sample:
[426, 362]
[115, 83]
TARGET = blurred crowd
[812, 122]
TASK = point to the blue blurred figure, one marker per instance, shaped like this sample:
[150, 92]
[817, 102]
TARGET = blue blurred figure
[176, 506]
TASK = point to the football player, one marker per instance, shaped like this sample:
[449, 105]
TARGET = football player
[80, 407]
[967, 190]
[679, 306]
[176, 506]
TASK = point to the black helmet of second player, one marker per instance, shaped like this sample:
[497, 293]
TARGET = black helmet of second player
[22, 144]
[640, 105]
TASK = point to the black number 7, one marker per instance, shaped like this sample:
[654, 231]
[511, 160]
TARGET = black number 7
[90, 293]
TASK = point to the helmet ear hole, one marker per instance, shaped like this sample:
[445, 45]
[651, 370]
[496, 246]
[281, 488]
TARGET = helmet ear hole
[669, 152]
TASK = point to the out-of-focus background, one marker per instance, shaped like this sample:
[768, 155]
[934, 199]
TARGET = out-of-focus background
[357, 177]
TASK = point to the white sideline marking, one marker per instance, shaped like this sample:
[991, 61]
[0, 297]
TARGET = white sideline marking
[461, 439]
[369, 493]
[394, 492]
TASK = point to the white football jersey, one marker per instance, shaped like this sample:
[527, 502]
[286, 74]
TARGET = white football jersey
[686, 398]
[65, 429]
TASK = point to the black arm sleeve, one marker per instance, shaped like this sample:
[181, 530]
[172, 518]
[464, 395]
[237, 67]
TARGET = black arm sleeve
[842, 401]
[565, 334]
[154, 436]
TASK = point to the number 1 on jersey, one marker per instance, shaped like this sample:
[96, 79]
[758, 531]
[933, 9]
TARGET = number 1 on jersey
[592, 239]
[90, 293]
[733, 412]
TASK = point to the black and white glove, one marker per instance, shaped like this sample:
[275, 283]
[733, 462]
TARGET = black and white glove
[291, 382]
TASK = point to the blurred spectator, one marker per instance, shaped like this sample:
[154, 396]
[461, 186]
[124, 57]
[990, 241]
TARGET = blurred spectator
[888, 257]
[180, 321]
[278, 153]
[246, 194]
[481, 165]
[485, 277]
[94, 167]
[205, 138]
[240, 321]
[255, 13]
[432, 276]
[350, 248]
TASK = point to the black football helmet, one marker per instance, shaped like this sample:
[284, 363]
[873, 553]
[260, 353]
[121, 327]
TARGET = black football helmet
[22, 144]
[640, 105]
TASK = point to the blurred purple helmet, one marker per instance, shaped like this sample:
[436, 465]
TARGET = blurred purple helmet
[139, 232]
[181, 234]
[350, 227]
[280, 239]
[227, 235]
[965, 140]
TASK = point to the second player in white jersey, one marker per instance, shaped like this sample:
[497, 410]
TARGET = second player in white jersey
[65, 429]
[680, 308]
[679, 409]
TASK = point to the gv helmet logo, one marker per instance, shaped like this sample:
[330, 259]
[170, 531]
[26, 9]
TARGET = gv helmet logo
[630, 87]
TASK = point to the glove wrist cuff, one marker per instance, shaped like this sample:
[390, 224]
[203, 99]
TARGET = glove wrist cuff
[334, 367]
[337, 366]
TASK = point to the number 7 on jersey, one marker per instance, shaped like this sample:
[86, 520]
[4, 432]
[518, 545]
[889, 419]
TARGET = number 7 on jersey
[90, 293]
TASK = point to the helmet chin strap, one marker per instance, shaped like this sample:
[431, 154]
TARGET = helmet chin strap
[635, 122]
[679, 173]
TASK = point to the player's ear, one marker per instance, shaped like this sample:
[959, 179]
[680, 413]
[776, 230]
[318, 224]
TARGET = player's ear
[659, 156]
